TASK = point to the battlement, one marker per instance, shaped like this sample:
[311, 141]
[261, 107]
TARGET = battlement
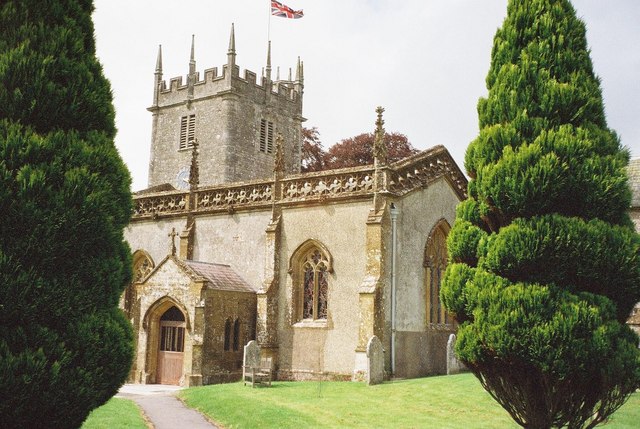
[214, 83]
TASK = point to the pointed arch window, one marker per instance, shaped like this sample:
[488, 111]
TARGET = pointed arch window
[236, 335]
[142, 266]
[227, 334]
[435, 263]
[315, 286]
[310, 268]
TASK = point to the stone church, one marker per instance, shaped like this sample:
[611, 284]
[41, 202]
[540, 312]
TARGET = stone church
[232, 242]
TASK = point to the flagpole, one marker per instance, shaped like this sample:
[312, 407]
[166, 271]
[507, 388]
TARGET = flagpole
[269, 24]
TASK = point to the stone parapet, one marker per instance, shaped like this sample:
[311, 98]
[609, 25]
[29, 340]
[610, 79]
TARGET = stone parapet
[405, 176]
[214, 83]
[425, 167]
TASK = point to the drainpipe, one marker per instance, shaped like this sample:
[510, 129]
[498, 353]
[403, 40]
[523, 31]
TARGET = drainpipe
[394, 216]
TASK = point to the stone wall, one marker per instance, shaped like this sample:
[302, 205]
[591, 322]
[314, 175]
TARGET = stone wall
[220, 365]
[634, 214]
[152, 236]
[420, 348]
[237, 240]
[422, 353]
[323, 349]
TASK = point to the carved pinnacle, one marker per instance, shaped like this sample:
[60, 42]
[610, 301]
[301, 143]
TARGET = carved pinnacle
[379, 146]
[194, 170]
[172, 235]
[278, 164]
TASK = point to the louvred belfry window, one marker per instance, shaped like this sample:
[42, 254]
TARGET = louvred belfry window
[187, 131]
[266, 136]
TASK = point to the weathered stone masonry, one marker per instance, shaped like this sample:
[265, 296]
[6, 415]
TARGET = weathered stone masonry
[236, 228]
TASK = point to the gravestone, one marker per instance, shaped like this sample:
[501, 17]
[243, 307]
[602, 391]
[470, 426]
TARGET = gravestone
[251, 356]
[454, 366]
[375, 361]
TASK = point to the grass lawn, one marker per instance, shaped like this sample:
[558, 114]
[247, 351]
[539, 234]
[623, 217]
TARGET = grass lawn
[437, 402]
[117, 413]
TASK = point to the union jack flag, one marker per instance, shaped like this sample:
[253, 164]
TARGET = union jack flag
[283, 11]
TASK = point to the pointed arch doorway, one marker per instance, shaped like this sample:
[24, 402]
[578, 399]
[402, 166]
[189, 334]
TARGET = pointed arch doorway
[171, 346]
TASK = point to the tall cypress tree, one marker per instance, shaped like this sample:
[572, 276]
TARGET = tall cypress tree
[65, 347]
[544, 260]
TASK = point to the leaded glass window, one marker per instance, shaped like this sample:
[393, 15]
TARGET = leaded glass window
[435, 265]
[227, 334]
[236, 335]
[315, 285]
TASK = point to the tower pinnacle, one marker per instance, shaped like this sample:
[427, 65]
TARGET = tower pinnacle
[268, 69]
[299, 82]
[299, 71]
[159, 61]
[231, 53]
[192, 58]
[157, 77]
[191, 79]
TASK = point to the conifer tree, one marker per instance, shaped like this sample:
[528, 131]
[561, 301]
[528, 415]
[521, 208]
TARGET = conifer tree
[65, 347]
[544, 260]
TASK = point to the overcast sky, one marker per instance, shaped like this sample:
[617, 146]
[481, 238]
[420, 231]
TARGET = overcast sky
[424, 61]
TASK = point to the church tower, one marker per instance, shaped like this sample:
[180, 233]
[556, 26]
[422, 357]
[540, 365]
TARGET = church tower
[234, 120]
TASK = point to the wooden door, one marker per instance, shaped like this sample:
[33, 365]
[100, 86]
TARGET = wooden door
[171, 347]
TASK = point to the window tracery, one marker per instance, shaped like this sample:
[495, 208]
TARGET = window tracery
[310, 269]
[315, 287]
[142, 266]
[435, 263]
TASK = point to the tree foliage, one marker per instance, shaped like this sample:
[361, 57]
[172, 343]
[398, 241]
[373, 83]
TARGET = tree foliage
[350, 152]
[65, 347]
[313, 153]
[545, 264]
[358, 150]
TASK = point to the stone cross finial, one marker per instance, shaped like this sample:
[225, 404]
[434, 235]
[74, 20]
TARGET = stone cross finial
[379, 146]
[172, 235]
[278, 164]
